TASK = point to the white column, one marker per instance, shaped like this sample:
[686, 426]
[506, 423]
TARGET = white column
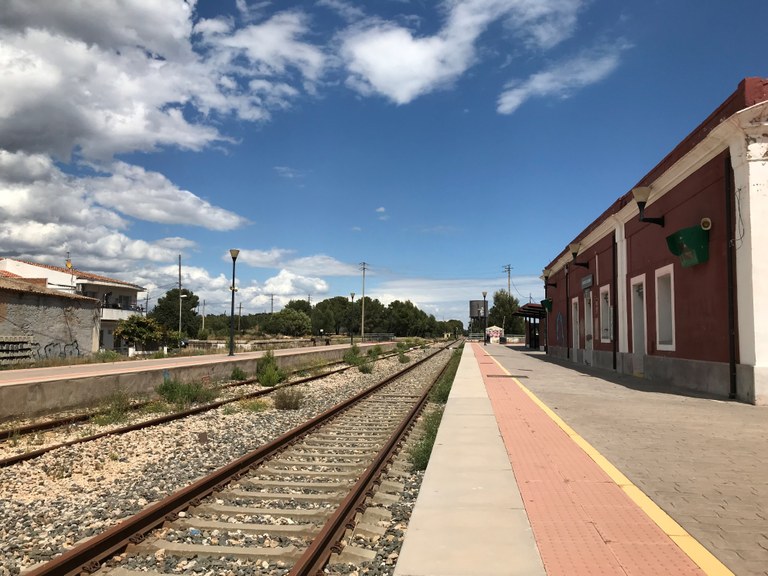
[621, 331]
[749, 158]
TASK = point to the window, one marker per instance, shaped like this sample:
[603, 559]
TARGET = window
[606, 314]
[665, 308]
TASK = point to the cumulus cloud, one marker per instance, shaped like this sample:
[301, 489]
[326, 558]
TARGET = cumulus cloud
[560, 80]
[289, 284]
[150, 196]
[391, 60]
[132, 76]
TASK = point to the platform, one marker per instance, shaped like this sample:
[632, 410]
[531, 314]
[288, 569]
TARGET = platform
[545, 468]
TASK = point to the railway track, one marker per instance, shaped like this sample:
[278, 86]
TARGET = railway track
[67, 422]
[281, 509]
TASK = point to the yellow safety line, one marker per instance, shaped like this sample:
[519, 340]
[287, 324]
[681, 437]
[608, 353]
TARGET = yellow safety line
[687, 543]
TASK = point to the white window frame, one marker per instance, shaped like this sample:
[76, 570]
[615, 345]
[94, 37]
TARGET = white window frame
[606, 314]
[668, 302]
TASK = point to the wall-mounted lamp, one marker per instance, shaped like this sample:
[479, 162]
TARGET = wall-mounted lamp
[574, 248]
[641, 194]
[545, 274]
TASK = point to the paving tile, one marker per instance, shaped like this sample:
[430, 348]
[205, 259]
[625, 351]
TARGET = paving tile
[696, 458]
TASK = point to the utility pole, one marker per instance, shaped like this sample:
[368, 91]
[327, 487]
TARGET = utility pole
[203, 314]
[239, 315]
[508, 269]
[272, 304]
[363, 267]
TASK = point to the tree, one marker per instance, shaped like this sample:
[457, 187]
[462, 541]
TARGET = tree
[166, 312]
[501, 313]
[300, 306]
[332, 314]
[138, 329]
[289, 322]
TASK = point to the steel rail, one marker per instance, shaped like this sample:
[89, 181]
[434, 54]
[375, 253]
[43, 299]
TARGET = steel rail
[87, 556]
[10, 460]
[316, 556]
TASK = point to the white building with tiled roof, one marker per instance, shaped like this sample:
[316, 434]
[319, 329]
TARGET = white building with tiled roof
[119, 299]
[38, 323]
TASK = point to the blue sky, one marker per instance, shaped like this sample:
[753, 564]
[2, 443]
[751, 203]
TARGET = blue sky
[435, 141]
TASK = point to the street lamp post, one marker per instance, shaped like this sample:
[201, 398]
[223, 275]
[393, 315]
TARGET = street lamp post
[233, 252]
[352, 317]
[181, 297]
[485, 315]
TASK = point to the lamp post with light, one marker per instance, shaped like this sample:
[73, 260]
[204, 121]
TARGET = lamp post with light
[485, 315]
[181, 298]
[233, 252]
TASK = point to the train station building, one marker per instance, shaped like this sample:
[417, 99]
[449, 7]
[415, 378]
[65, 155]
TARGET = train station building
[670, 282]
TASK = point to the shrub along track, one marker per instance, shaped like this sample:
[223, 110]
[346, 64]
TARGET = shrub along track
[281, 508]
[16, 434]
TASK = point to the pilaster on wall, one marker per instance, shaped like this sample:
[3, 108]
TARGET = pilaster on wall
[749, 158]
[621, 331]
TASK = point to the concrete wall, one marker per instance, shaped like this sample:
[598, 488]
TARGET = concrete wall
[28, 399]
[55, 326]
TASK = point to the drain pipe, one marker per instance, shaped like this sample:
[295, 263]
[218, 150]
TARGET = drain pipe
[615, 314]
[730, 249]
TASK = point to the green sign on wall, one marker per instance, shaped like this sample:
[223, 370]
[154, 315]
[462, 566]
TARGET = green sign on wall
[690, 244]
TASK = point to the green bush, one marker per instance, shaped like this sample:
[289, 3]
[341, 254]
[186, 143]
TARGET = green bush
[238, 374]
[365, 367]
[419, 453]
[352, 356]
[185, 393]
[267, 371]
[374, 353]
[288, 399]
[401, 356]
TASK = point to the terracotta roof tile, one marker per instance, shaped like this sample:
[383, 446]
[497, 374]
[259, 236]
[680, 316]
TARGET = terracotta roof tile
[81, 274]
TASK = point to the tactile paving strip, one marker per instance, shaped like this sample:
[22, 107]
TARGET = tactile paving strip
[582, 521]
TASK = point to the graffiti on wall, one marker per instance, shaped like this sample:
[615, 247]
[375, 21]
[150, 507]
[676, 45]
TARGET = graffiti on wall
[55, 350]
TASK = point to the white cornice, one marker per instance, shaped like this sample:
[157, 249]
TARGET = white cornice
[752, 121]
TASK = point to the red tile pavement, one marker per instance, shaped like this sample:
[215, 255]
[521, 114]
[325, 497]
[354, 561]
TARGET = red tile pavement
[582, 521]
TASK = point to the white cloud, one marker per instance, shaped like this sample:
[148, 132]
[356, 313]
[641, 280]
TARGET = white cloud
[388, 59]
[150, 196]
[321, 264]
[263, 258]
[560, 80]
[289, 284]
[347, 10]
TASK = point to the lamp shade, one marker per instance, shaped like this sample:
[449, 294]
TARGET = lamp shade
[234, 252]
[641, 193]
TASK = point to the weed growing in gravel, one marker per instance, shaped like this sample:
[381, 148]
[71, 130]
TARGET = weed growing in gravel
[238, 374]
[155, 407]
[115, 410]
[267, 371]
[185, 393]
[419, 453]
[442, 387]
[352, 356]
[365, 367]
[288, 399]
[374, 353]
[403, 358]
[253, 405]
[107, 356]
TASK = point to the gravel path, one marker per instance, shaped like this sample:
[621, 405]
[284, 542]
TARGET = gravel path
[50, 503]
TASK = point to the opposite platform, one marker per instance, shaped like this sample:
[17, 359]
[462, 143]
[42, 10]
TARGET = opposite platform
[595, 524]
